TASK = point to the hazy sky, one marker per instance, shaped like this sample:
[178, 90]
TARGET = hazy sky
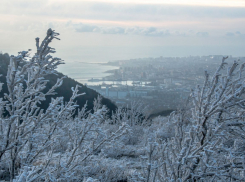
[95, 30]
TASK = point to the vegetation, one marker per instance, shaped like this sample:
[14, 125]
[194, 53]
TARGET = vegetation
[204, 141]
[63, 91]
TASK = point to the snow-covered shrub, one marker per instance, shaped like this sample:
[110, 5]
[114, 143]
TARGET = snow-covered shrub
[163, 128]
[133, 114]
[135, 136]
[208, 142]
[51, 144]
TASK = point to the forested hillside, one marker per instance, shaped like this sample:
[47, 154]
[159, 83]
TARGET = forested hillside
[64, 91]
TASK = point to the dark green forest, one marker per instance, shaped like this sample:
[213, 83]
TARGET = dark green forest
[63, 91]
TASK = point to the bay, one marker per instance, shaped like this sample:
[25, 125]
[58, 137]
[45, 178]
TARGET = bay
[83, 71]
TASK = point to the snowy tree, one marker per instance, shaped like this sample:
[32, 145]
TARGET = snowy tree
[51, 144]
[208, 142]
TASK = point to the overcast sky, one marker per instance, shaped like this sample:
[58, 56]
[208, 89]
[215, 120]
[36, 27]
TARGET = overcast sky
[114, 29]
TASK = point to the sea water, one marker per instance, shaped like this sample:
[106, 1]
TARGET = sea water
[82, 71]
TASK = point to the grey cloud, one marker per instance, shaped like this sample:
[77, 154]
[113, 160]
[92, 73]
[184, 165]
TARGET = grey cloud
[151, 31]
[93, 28]
[116, 30]
[230, 34]
[202, 34]
[144, 31]
[182, 34]
[85, 27]
[235, 34]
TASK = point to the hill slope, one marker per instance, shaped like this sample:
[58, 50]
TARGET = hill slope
[64, 90]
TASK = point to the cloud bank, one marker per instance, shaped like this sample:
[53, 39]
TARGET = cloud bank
[142, 31]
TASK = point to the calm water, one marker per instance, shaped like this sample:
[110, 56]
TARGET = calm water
[82, 72]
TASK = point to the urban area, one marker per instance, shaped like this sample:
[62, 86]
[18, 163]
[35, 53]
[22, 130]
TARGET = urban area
[162, 83]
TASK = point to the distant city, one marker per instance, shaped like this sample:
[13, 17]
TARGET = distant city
[163, 83]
